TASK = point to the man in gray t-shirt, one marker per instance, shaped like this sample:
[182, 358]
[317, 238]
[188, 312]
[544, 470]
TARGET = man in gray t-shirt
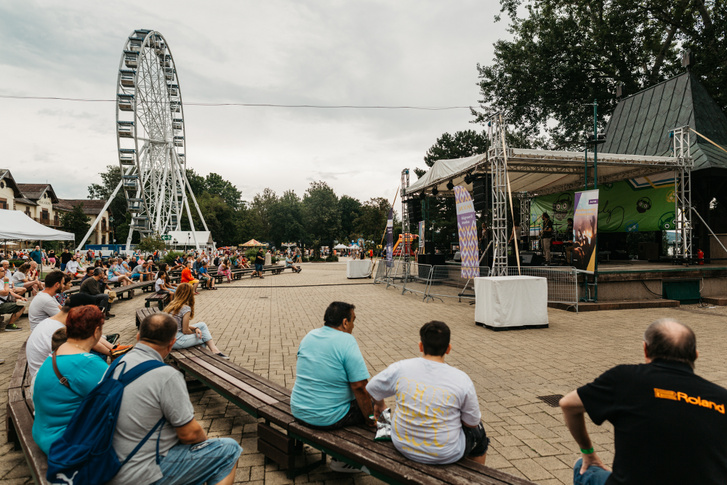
[44, 305]
[437, 417]
[185, 452]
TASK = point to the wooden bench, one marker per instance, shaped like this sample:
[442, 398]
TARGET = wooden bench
[280, 437]
[129, 290]
[142, 313]
[20, 420]
[161, 299]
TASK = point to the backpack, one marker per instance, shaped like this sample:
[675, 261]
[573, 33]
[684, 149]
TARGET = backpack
[84, 454]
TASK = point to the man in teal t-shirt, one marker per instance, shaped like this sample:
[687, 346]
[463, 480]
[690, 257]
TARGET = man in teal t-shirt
[331, 375]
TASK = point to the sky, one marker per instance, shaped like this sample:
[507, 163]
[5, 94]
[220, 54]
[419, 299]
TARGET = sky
[387, 53]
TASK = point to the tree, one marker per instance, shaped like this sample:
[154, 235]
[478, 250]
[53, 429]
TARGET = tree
[350, 209]
[215, 184]
[565, 54]
[286, 215]
[151, 243]
[321, 216]
[371, 224]
[261, 218]
[120, 218]
[76, 222]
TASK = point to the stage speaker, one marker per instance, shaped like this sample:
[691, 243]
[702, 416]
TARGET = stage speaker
[415, 214]
[481, 192]
[529, 259]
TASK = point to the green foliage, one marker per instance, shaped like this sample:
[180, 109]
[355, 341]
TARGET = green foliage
[76, 222]
[460, 145]
[565, 54]
[171, 256]
[321, 215]
[371, 224]
[119, 217]
[332, 258]
[250, 254]
[350, 209]
[150, 244]
[286, 212]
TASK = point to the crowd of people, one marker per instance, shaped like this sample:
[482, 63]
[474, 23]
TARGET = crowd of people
[661, 411]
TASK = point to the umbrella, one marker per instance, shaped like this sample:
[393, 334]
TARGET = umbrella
[253, 243]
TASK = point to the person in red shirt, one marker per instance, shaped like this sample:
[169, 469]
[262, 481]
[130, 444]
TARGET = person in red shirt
[188, 278]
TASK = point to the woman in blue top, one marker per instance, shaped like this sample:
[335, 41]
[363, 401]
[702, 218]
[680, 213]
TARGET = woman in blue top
[54, 402]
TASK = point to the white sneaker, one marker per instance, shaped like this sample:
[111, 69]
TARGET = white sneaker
[342, 467]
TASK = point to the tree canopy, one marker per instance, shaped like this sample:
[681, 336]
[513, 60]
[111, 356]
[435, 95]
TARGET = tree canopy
[565, 54]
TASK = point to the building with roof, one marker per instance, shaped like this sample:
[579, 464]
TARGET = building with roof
[40, 202]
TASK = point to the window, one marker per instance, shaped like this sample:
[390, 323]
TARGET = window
[103, 225]
[3, 203]
[44, 216]
[27, 211]
[56, 222]
[103, 239]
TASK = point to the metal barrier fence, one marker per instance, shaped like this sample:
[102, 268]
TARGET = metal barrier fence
[445, 281]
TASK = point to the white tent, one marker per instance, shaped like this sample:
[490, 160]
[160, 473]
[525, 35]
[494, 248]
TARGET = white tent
[340, 246]
[187, 238]
[16, 226]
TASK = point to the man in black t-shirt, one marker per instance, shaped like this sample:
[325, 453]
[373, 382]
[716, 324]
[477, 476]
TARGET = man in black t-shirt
[259, 263]
[669, 424]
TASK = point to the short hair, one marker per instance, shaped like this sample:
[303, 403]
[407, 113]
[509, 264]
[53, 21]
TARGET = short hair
[435, 337]
[668, 339]
[58, 338]
[24, 267]
[82, 321]
[52, 278]
[336, 313]
[158, 328]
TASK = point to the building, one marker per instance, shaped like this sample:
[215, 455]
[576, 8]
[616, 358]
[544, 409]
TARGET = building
[40, 203]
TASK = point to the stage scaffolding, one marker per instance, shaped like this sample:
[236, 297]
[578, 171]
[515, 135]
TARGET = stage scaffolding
[540, 172]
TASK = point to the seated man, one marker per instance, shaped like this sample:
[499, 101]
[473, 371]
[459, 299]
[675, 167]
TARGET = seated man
[186, 454]
[437, 417]
[91, 286]
[289, 264]
[8, 302]
[141, 272]
[331, 375]
[669, 424]
[45, 305]
[72, 267]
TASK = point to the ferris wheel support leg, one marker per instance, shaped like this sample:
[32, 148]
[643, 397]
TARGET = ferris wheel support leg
[99, 216]
[191, 223]
[201, 217]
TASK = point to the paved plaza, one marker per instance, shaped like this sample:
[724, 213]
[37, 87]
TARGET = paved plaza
[259, 323]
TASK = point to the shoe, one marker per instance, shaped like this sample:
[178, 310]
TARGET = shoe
[342, 467]
[119, 350]
[2, 361]
[223, 356]
[196, 292]
[262, 277]
[12, 328]
[112, 338]
[109, 315]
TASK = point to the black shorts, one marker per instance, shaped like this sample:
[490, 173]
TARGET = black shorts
[476, 441]
[352, 417]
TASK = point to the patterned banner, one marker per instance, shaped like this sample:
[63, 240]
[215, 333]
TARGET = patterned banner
[467, 228]
[585, 225]
[421, 235]
[390, 239]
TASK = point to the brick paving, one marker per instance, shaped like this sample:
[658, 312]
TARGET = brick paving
[259, 323]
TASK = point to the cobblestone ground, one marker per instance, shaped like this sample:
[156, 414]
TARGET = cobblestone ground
[259, 323]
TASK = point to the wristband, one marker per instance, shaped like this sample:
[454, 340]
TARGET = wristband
[587, 451]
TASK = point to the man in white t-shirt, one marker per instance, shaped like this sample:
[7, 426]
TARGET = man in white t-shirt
[44, 305]
[437, 418]
[72, 266]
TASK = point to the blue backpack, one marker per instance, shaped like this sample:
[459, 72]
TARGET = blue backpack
[84, 454]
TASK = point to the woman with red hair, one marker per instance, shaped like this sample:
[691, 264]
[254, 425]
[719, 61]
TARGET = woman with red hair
[56, 398]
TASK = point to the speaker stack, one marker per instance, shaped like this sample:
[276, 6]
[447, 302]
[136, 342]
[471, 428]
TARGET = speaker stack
[481, 192]
[413, 207]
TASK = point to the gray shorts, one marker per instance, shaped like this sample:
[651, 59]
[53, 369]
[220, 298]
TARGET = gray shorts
[9, 307]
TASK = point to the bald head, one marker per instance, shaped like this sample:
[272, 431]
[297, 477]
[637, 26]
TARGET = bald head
[670, 340]
[158, 328]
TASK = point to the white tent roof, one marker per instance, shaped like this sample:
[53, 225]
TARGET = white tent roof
[186, 238]
[16, 226]
[542, 172]
[340, 246]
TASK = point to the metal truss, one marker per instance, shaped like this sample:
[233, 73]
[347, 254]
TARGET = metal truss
[498, 170]
[683, 193]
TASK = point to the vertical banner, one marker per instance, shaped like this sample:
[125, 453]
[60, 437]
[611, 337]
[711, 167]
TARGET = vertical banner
[390, 239]
[585, 223]
[421, 235]
[467, 229]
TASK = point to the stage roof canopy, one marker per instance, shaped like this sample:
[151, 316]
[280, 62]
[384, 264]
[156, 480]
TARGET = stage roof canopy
[541, 172]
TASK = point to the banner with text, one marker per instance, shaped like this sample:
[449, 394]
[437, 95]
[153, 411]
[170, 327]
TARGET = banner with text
[467, 229]
[585, 225]
[390, 239]
[421, 235]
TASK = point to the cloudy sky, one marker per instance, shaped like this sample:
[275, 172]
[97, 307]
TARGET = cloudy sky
[319, 52]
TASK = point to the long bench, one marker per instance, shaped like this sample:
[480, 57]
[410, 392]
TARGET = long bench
[20, 411]
[280, 437]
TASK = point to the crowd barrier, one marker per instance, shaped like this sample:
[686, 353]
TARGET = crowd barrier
[445, 281]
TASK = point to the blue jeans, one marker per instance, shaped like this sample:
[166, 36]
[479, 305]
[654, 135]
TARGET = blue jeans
[190, 340]
[206, 462]
[594, 475]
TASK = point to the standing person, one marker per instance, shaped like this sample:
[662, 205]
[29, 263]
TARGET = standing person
[268, 258]
[37, 256]
[259, 262]
[669, 424]
[45, 305]
[180, 453]
[331, 375]
[65, 258]
[182, 310]
[547, 236]
[437, 417]
[52, 258]
[91, 286]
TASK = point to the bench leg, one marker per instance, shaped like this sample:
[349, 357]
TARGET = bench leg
[146, 304]
[12, 433]
[161, 305]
